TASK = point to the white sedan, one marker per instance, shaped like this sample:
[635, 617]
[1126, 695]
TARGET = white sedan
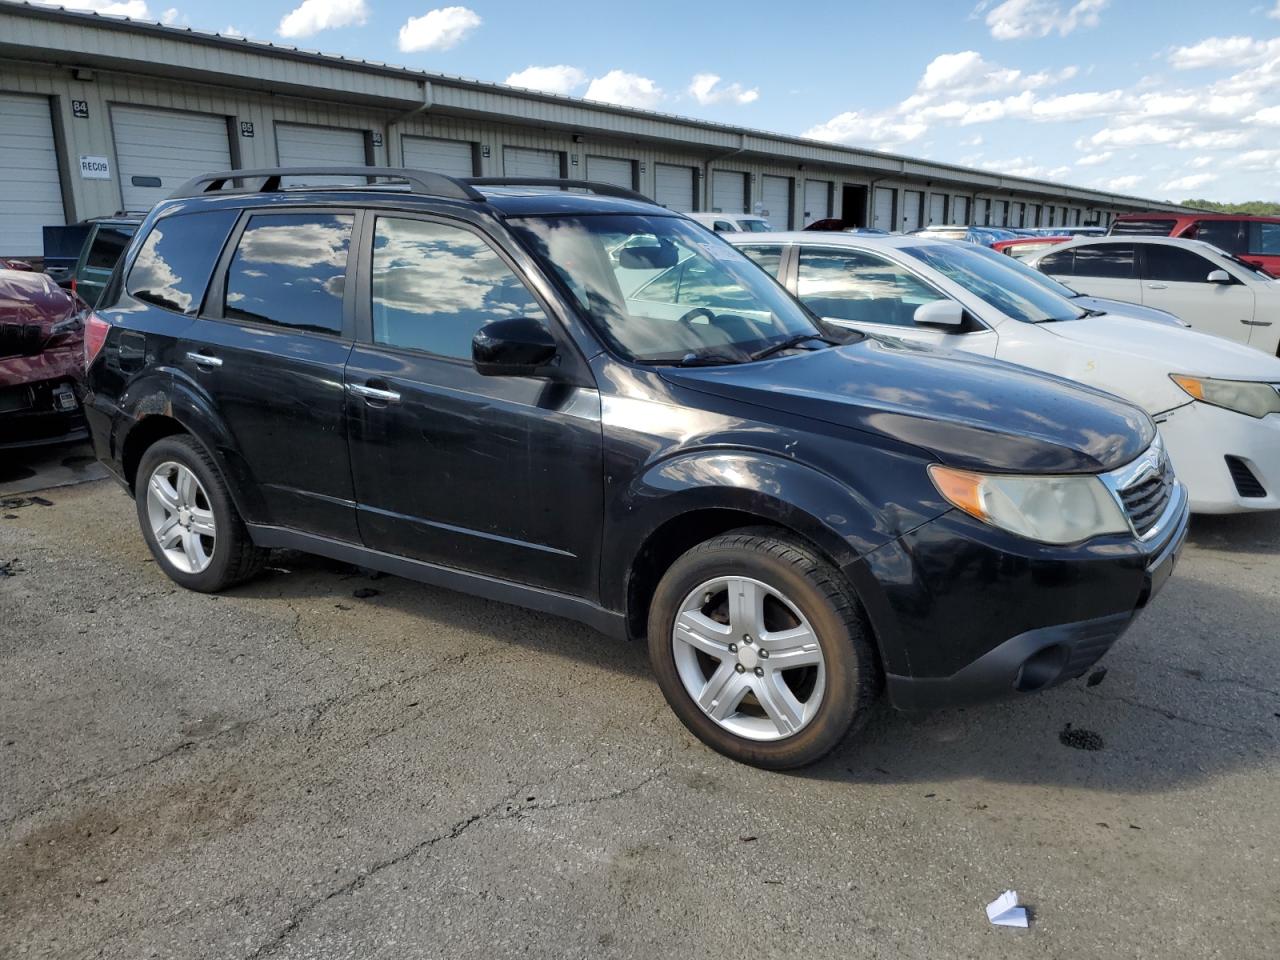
[1210, 289]
[1217, 403]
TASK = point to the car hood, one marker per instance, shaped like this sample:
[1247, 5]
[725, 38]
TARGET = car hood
[1135, 310]
[1178, 349]
[968, 411]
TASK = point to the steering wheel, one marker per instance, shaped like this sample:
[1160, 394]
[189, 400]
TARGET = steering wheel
[698, 312]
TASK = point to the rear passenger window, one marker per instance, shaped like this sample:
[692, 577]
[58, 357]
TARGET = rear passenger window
[290, 270]
[1112, 261]
[862, 288]
[724, 226]
[176, 260]
[770, 258]
[1059, 264]
[435, 285]
[1229, 235]
[1264, 238]
[108, 246]
[1175, 265]
[1148, 228]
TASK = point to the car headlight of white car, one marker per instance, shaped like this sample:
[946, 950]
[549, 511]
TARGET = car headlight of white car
[1243, 396]
[1050, 509]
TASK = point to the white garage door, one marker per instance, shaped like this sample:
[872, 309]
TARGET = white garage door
[158, 150]
[452, 157]
[620, 173]
[883, 218]
[30, 195]
[673, 187]
[775, 196]
[960, 210]
[1000, 213]
[523, 162]
[817, 200]
[937, 208]
[728, 192]
[912, 202]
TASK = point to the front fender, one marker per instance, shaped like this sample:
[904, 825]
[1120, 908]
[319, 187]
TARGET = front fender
[840, 521]
[169, 392]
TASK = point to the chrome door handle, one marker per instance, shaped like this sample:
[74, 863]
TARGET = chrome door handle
[1256, 323]
[1157, 286]
[203, 359]
[373, 393]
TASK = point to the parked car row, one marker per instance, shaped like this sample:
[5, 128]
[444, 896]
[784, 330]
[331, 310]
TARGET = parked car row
[591, 405]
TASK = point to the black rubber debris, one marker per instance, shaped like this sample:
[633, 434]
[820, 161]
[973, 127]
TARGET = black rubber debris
[1078, 739]
[364, 593]
[1096, 677]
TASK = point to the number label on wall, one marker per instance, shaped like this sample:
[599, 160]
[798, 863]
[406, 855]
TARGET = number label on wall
[377, 139]
[246, 128]
[95, 168]
[80, 108]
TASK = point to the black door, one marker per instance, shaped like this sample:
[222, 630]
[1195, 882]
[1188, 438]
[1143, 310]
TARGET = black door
[270, 349]
[498, 475]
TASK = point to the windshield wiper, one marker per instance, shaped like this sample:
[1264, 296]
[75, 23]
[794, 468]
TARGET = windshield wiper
[790, 342]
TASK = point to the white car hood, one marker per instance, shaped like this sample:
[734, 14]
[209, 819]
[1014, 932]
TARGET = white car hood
[1179, 350]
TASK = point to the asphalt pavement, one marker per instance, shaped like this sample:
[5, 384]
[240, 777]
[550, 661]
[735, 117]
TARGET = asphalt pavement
[321, 764]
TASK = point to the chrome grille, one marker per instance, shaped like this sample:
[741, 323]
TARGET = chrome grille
[1147, 494]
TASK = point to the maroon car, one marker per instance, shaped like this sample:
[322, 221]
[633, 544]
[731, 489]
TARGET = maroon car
[41, 361]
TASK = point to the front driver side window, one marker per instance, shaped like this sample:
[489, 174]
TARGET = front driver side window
[1175, 264]
[861, 288]
[435, 285]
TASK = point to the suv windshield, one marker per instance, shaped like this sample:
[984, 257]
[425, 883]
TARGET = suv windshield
[1006, 289]
[663, 289]
[756, 226]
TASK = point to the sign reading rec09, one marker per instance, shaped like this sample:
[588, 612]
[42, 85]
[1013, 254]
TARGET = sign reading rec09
[95, 168]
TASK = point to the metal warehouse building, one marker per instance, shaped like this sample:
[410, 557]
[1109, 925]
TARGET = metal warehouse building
[100, 114]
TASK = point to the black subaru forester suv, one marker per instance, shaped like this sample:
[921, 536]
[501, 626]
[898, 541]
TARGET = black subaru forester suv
[559, 395]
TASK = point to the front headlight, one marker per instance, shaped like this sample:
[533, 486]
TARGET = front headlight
[1051, 509]
[1242, 396]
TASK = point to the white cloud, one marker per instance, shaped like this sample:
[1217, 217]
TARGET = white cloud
[706, 89]
[1222, 52]
[1134, 135]
[854, 127]
[625, 89]
[1192, 182]
[1269, 116]
[1077, 106]
[1274, 14]
[1199, 163]
[1019, 19]
[1267, 160]
[974, 141]
[1120, 184]
[170, 16]
[439, 30]
[1093, 159]
[312, 16]
[559, 79]
[231, 31]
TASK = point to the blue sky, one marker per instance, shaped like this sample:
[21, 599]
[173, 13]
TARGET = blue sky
[1168, 99]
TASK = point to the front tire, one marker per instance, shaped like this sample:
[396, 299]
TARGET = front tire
[189, 520]
[761, 649]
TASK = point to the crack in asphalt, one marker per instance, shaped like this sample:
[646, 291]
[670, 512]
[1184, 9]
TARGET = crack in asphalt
[1172, 715]
[520, 811]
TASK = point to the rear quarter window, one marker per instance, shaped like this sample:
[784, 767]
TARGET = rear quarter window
[108, 247]
[173, 267]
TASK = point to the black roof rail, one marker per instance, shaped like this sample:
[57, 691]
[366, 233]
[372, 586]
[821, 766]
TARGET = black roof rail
[419, 181]
[594, 186]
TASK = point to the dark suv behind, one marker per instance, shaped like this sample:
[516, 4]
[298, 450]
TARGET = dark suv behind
[509, 388]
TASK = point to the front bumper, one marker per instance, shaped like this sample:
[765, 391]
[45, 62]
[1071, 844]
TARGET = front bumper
[964, 612]
[1200, 438]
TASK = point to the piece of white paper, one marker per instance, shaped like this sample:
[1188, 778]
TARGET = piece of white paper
[1004, 911]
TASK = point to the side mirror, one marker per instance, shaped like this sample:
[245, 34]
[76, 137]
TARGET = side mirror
[516, 347]
[1218, 276]
[940, 313]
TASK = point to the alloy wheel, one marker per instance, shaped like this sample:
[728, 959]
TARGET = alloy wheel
[749, 658]
[181, 517]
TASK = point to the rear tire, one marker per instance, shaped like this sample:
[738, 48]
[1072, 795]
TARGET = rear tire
[761, 649]
[189, 520]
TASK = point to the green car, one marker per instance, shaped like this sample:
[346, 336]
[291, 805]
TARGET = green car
[80, 256]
